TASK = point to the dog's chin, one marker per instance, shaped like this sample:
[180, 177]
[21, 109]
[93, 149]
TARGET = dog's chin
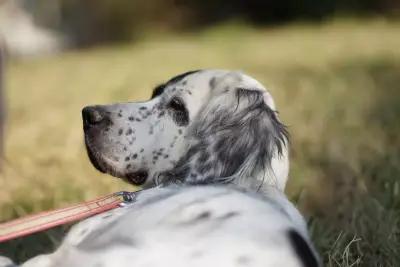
[95, 159]
[136, 178]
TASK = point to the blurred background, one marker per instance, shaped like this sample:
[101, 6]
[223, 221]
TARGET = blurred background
[333, 67]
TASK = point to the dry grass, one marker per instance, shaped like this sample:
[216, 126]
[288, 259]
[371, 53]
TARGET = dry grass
[336, 85]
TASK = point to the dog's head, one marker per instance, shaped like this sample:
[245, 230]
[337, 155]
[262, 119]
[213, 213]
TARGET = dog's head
[198, 127]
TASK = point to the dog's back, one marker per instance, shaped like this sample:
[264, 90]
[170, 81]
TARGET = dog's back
[190, 226]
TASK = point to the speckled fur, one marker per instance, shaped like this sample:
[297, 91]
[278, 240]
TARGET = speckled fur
[199, 127]
[213, 154]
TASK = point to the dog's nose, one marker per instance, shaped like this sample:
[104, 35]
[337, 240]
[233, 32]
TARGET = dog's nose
[93, 115]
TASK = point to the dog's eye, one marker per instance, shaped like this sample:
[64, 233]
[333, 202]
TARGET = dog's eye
[177, 104]
[179, 112]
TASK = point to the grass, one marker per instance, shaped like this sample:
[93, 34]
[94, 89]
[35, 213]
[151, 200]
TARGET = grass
[336, 85]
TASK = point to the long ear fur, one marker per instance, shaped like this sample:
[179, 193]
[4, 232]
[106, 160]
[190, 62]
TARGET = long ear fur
[231, 142]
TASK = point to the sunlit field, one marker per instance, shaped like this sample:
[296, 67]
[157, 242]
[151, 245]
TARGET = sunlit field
[337, 87]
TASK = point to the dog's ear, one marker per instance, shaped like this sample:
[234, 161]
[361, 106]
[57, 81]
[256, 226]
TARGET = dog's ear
[234, 79]
[243, 137]
[234, 140]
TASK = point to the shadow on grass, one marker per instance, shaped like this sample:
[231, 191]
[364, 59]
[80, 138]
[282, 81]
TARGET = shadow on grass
[24, 248]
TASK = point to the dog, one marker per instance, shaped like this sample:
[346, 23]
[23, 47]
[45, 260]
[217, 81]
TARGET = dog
[198, 127]
[212, 155]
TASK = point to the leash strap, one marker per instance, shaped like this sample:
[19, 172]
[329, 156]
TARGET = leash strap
[48, 219]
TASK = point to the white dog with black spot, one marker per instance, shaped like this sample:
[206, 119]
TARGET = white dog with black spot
[213, 157]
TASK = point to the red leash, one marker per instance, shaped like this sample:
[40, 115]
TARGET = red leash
[48, 219]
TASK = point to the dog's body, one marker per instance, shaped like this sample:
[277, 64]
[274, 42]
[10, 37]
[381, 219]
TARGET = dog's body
[190, 226]
[212, 152]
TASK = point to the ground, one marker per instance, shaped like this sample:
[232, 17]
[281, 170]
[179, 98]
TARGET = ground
[337, 87]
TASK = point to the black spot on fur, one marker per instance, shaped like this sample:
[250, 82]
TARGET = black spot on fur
[205, 215]
[228, 215]
[126, 158]
[134, 156]
[302, 249]
[162, 113]
[181, 76]
[180, 131]
[129, 131]
[131, 118]
[211, 83]
[120, 131]
[142, 108]
[158, 90]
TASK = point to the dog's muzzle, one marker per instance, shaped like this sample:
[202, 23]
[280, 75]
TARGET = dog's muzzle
[95, 121]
